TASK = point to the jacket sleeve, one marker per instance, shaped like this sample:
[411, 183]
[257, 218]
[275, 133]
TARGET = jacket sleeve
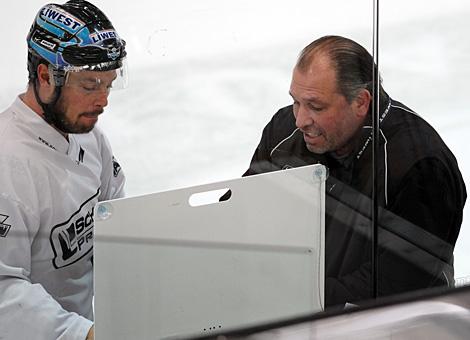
[280, 127]
[27, 311]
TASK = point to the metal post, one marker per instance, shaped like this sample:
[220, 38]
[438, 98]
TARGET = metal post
[375, 148]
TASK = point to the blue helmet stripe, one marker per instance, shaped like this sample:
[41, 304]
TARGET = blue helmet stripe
[48, 55]
[51, 28]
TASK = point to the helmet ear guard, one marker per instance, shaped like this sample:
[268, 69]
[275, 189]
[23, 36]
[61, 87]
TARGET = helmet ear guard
[58, 75]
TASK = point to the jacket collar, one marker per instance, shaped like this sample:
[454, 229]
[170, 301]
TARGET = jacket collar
[38, 128]
[365, 137]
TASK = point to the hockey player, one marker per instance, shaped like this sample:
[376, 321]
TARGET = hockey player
[55, 165]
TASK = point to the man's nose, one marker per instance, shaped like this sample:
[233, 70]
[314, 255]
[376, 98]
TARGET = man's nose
[101, 99]
[303, 118]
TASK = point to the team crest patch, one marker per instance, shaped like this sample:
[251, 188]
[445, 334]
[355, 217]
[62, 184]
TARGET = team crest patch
[114, 53]
[4, 227]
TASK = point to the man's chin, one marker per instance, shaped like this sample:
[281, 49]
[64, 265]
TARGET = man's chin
[87, 123]
[86, 129]
[79, 129]
[316, 149]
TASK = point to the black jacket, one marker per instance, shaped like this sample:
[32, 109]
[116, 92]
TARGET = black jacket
[421, 197]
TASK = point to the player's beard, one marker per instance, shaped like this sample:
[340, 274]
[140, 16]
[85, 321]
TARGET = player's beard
[57, 116]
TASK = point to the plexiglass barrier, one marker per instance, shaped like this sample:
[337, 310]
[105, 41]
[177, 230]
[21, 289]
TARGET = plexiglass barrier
[205, 79]
[423, 64]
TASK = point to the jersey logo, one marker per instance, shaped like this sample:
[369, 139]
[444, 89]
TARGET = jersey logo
[4, 228]
[116, 168]
[81, 154]
[45, 142]
[73, 239]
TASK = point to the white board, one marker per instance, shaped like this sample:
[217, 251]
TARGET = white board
[165, 268]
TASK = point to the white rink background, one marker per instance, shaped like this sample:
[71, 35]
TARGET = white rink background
[206, 76]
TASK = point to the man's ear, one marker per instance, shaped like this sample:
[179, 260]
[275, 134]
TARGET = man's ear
[362, 103]
[44, 77]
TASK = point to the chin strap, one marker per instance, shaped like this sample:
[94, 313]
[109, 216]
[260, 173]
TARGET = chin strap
[48, 108]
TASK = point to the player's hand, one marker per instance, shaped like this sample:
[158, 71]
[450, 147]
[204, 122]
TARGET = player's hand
[91, 333]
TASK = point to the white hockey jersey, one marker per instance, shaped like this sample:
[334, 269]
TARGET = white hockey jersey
[48, 189]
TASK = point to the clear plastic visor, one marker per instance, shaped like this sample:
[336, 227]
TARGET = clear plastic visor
[89, 81]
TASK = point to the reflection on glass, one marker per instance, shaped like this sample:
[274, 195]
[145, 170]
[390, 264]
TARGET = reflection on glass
[433, 317]
[424, 61]
[421, 192]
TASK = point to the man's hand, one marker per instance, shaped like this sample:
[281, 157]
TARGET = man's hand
[91, 333]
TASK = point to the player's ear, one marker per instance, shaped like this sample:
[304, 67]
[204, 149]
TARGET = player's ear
[43, 75]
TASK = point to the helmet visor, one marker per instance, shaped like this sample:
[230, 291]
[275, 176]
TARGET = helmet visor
[91, 80]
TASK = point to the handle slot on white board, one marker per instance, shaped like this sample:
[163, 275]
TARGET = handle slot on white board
[209, 197]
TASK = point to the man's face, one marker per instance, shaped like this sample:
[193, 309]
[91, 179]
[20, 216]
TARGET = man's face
[327, 120]
[84, 97]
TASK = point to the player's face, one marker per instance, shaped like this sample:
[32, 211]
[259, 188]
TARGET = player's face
[83, 98]
[326, 119]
